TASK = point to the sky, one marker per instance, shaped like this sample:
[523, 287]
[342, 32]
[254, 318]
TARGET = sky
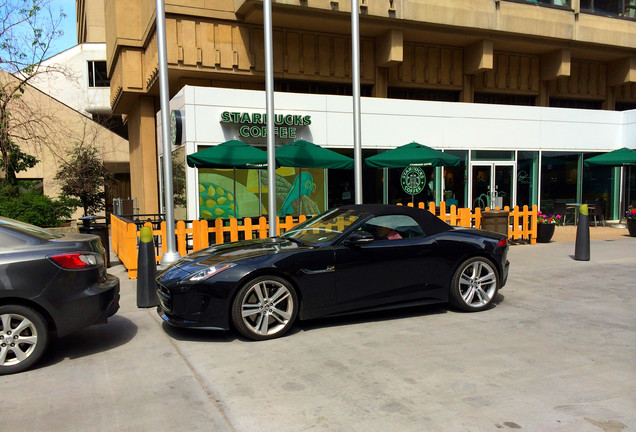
[68, 26]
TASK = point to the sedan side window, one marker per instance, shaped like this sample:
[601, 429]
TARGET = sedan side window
[392, 227]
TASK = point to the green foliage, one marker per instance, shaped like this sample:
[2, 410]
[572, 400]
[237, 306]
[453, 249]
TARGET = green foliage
[14, 162]
[83, 177]
[35, 208]
[28, 29]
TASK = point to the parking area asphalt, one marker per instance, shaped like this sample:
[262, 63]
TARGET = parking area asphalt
[556, 353]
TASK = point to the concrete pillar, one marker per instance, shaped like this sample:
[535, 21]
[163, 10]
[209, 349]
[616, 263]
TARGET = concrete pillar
[381, 86]
[468, 89]
[610, 101]
[543, 99]
[143, 155]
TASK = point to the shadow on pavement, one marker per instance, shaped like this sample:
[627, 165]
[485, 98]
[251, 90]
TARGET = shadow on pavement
[95, 339]
[199, 335]
[369, 317]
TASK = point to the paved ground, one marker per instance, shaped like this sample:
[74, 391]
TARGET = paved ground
[555, 354]
[568, 233]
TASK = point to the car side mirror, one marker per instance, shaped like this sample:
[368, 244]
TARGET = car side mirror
[358, 238]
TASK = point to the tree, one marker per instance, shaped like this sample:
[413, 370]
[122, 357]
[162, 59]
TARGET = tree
[27, 30]
[83, 176]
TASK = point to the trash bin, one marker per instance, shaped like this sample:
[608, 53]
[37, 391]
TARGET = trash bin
[495, 221]
[90, 227]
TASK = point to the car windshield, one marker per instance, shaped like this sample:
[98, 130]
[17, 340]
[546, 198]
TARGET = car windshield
[29, 229]
[325, 227]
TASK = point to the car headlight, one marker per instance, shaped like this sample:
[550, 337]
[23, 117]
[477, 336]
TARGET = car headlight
[209, 272]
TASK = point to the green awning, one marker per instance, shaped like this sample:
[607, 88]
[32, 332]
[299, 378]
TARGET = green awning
[303, 154]
[412, 154]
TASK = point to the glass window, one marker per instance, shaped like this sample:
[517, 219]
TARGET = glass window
[8, 241]
[392, 227]
[97, 74]
[559, 176]
[527, 174]
[311, 87]
[423, 94]
[31, 230]
[397, 194]
[505, 99]
[598, 182]
[179, 183]
[492, 155]
[325, 227]
[576, 103]
[297, 192]
[455, 185]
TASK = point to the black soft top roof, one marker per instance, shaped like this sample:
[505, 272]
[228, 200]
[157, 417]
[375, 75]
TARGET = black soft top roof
[430, 223]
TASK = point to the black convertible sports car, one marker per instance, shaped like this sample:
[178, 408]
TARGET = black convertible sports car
[348, 259]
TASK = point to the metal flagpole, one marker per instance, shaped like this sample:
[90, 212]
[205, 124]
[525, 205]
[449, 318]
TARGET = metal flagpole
[355, 75]
[171, 255]
[269, 92]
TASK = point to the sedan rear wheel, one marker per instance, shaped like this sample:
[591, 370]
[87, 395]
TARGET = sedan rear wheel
[23, 338]
[474, 285]
[265, 308]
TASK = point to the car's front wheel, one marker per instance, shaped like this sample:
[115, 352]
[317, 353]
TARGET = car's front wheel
[474, 285]
[265, 308]
[23, 338]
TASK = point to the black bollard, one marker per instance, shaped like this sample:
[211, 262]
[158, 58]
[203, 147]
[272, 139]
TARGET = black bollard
[582, 246]
[147, 270]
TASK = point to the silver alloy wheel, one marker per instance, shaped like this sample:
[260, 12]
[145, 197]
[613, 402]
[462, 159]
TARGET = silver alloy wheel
[267, 307]
[18, 339]
[477, 283]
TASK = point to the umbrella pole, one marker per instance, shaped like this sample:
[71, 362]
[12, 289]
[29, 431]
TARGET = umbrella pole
[234, 184]
[622, 195]
[300, 181]
[260, 195]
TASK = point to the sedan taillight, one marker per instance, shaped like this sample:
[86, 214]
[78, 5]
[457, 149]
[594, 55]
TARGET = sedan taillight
[76, 260]
[502, 242]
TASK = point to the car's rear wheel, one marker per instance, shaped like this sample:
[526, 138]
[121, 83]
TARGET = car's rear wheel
[23, 338]
[265, 308]
[474, 285]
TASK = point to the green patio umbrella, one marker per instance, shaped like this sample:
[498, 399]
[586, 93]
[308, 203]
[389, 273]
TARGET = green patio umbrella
[304, 154]
[623, 157]
[230, 154]
[413, 154]
[620, 157]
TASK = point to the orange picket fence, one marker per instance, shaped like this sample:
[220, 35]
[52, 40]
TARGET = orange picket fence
[200, 234]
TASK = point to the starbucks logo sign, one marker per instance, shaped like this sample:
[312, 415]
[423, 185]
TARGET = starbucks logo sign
[413, 180]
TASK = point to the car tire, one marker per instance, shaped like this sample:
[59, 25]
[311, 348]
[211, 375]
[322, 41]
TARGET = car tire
[265, 308]
[24, 335]
[474, 285]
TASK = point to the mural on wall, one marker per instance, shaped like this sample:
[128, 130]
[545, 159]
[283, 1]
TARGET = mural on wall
[297, 192]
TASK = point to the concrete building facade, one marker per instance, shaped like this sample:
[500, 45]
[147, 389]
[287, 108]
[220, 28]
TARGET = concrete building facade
[552, 53]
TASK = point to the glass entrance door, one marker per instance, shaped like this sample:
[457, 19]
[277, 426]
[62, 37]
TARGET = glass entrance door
[492, 185]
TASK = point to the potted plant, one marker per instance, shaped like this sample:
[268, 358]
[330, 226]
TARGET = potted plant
[630, 215]
[546, 225]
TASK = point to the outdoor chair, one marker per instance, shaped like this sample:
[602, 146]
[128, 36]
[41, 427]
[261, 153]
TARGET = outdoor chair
[560, 209]
[597, 211]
